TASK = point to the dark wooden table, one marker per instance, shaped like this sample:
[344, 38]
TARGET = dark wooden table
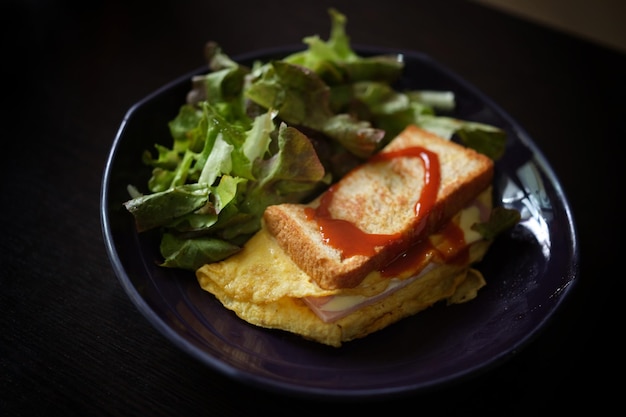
[72, 342]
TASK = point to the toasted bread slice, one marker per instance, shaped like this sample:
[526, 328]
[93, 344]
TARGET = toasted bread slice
[380, 198]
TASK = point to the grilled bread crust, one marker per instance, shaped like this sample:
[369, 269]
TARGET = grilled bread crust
[380, 198]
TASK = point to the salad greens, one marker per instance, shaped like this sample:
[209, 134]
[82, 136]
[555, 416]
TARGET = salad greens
[275, 132]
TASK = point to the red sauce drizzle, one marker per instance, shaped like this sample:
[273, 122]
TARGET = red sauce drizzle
[412, 260]
[449, 246]
[347, 237]
[453, 247]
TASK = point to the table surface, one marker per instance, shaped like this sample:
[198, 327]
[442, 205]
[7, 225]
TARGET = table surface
[72, 342]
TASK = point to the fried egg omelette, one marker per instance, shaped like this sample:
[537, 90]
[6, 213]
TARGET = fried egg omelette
[264, 287]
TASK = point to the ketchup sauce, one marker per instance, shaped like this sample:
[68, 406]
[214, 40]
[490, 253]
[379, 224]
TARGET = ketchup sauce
[346, 236]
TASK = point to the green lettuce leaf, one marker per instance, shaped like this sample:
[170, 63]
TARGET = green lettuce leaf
[191, 254]
[158, 209]
[501, 219]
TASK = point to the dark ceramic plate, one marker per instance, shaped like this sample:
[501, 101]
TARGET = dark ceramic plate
[530, 271]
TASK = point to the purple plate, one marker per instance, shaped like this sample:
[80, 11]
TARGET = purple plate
[529, 271]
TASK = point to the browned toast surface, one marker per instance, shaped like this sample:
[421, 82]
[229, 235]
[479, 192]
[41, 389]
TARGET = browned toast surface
[380, 198]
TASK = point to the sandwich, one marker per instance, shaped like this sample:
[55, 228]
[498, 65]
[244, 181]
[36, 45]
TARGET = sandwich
[396, 235]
